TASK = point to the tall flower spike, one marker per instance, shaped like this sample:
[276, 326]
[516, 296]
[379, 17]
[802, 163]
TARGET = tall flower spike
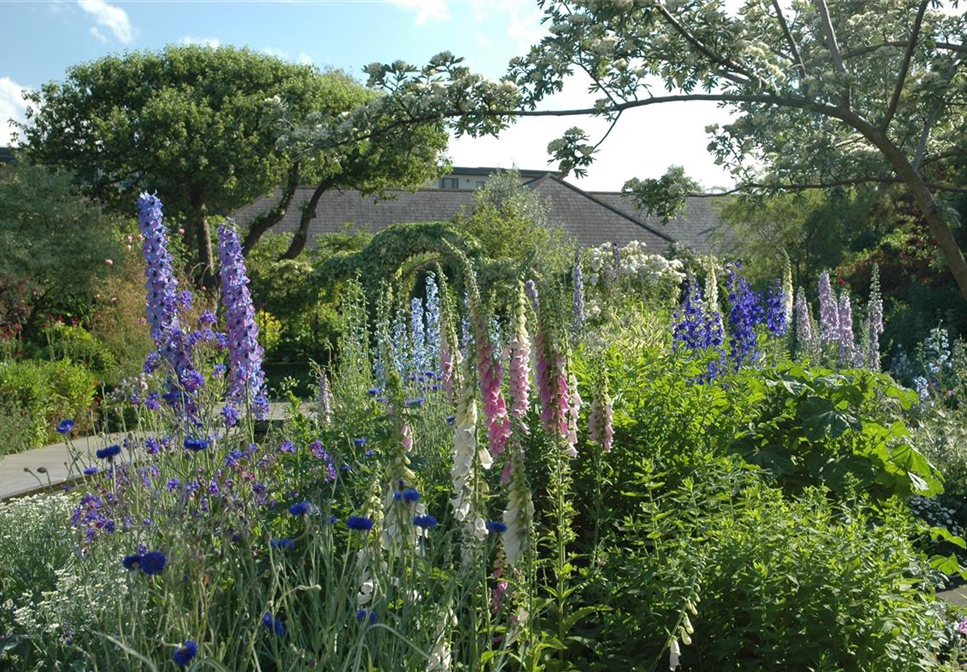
[847, 345]
[417, 338]
[246, 382]
[787, 290]
[577, 321]
[828, 312]
[804, 327]
[600, 421]
[520, 347]
[573, 413]
[874, 311]
[325, 398]
[433, 328]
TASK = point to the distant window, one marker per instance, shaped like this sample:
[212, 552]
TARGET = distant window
[449, 183]
[480, 183]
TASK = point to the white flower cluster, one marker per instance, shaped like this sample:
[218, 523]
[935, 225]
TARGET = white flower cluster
[650, 276]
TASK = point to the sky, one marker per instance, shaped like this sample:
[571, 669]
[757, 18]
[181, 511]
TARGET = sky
[43, 38]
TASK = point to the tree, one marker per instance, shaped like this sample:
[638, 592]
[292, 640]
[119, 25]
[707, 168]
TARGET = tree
[860, 92]
[198, 125]
[52, 239]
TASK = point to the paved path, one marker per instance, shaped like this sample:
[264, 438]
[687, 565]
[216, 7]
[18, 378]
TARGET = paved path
[15, 481]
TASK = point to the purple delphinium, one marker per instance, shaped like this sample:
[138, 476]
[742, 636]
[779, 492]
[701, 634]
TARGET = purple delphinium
[744, 315]
[874, 312]
[776, 318]
[828, 312]
[247, 382]
[695, 328]
[162, 290]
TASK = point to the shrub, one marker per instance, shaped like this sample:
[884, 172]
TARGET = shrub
[39, 394]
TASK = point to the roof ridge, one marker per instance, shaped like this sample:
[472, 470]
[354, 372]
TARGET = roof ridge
[610, 207]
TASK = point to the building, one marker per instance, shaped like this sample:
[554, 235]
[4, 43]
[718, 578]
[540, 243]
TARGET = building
[592, 218]
[6, 155]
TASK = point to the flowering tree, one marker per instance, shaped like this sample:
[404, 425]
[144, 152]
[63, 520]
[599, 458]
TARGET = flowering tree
[201, 126]
[823, 94]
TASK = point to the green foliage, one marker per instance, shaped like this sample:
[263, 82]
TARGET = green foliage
[42, 394]
[53, 238]
[665, 197]
[745, 578]
[78, 346]
[842, 430]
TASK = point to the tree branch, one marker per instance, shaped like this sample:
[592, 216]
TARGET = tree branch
[789, 38]
[833, 47]
[905, 67]
[805, 186]
[267, 220]
[862, 51]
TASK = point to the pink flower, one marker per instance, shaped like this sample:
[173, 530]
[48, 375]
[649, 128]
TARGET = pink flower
[109, 262]
[962, 627]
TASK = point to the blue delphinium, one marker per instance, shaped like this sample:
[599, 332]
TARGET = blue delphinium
[108, 453]
[578, 316]
[776, 318]
[432, 314]
[417, 336]
[745, 315]
[153, 562]
[359, 523]
[65, 426]
[185, 653]
[272, 623]
[695, 327]
[246, 380]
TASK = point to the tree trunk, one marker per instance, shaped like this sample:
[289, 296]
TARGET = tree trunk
[308, 214]
[922, 196]
[206, 264]
[267, 220]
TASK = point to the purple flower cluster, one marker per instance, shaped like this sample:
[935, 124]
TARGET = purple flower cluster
[744, 315]
[577, 323]
[847, 344]
[804, 323]
[247, 382]
[828, 312]
[696, 328]
[874, 312]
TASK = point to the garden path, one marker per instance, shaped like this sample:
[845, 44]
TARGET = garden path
[49, 464]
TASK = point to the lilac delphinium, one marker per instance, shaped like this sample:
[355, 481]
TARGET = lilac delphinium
[804, 327]
[874, 312]
[246, 380]
[744, 315]
[828, 312]
[847, 345]
[776, 316]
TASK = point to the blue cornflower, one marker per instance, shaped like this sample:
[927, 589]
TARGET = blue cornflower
[427, 521]
[415, 403]
[451, 419]
[286, 447]
[108, 453]
[90, 471]
[152, 446]
[185, 653]
[283, 543]
[132, 561]
[360, 442]
[65, 426]
[153, 562]
[410, 495]
[359, 523]
[273, 623]
[195, 444]
[368, 454]
[301, 508]
[496, 527]
[361, 614]
[373, 391]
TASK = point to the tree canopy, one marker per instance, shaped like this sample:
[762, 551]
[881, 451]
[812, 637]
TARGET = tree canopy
[201, 127]
[824, 94]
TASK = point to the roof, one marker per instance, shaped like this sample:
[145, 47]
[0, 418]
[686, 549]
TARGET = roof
[6, 155]
[592, 218]
[700, 228]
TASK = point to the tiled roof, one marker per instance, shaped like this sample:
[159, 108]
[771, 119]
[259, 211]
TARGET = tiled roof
[700, 229]
[593, 218]
[6, 155]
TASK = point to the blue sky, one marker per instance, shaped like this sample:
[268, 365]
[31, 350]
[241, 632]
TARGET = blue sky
[43, 38]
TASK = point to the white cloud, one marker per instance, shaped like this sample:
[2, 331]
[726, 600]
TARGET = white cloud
[98, 34]
[212, 42]
[305, 59]
[483, 41]
[426, 10]
[643, 143]
[278, 53]
[12, 106]
[523, 21]
[113, 18]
